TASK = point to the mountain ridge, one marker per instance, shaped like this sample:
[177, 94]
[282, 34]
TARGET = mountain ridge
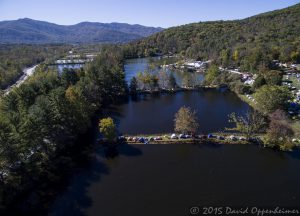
[27, 30]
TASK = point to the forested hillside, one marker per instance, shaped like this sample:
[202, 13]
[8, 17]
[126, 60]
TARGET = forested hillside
[14, 58]
[246, 43]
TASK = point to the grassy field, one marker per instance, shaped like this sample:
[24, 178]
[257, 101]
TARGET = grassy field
[247, 100]
[296, 126]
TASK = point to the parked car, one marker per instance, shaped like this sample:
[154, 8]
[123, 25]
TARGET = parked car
[210, 136]
[173, 136]
[203, 137]
[182, 136]
[121, 138]
[242, 138]
[233, 138]
[220, 138]
[141, 139]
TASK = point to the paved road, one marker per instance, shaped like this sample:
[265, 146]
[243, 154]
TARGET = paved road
[27, 72]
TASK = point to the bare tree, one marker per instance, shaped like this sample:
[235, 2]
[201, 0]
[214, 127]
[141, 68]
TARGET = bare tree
[279, 132]
[250, 124]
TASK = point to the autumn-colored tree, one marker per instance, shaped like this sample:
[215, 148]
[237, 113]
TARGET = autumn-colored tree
[235, 55]
[279, 133]
[107, 128]
[186, 121]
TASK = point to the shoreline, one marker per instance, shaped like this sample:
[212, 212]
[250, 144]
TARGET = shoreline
[189, 142]
[213, 140]
[179, 89]
[165, 139]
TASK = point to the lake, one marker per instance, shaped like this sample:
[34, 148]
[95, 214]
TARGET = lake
[161, 180]
[165, 180]
[154, 114]
[133, 66]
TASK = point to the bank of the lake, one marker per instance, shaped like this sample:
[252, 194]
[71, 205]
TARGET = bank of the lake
[165, 139]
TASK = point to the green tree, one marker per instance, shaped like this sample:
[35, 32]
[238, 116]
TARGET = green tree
[133, 85]
[259, 82]
[140, 80]
[225, 57]
[69, 77]
[273, 77]
[153, 82]
[186, 80]
[186, 121]
[163, 79]
[295, 56]
[272, 97]
[172, 81]
[108, 129]
[147, 80]
[211, 74]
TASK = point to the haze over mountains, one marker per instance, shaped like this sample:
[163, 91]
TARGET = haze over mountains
[33, 31]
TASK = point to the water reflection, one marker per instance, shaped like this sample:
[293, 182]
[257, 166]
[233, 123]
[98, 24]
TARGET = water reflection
[133, 66]
[154, 114]
[76, 198]
[167, 180]
[61, 67]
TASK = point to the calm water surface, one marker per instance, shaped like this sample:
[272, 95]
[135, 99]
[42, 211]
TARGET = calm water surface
[154, 114]
[133, 66]
[165, 180]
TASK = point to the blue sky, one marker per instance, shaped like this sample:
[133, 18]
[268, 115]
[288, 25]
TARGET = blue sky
[164, 13]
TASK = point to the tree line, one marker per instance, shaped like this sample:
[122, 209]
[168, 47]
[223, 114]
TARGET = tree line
[41, 120]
